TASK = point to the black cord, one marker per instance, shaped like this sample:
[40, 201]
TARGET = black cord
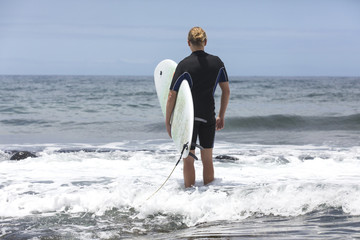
[184, 147]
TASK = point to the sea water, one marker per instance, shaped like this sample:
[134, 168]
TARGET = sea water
[287, 163]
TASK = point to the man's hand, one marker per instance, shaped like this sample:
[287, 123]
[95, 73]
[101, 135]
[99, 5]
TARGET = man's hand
[168, 129]
[220, 123]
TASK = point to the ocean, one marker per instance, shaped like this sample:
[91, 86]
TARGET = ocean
[287, 164]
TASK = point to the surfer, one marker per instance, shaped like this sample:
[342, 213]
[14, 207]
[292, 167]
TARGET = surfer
[204, 72]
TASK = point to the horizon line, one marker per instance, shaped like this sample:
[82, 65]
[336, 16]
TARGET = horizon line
[133, 75]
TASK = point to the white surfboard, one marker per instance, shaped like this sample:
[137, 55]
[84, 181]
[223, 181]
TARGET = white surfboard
[182, 122]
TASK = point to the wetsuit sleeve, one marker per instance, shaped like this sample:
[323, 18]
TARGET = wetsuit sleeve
[178, 77]
[222, 76]
[175, 77]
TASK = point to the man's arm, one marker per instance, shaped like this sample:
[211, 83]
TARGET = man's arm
[225, 95]
[170, 104]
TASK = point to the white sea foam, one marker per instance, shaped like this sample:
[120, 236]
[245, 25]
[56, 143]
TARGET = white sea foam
[265, 180]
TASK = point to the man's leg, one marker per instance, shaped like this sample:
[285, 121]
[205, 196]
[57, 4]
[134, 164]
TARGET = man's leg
[189, 170]
[208, 167]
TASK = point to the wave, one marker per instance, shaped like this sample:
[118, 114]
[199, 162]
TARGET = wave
[284, 122]
[85, 185]
[294, 122]
[24, 122]
[273, 187]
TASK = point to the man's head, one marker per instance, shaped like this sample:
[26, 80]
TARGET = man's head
[197, 38]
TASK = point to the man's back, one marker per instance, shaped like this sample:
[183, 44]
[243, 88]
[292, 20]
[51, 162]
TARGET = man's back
[204, 71]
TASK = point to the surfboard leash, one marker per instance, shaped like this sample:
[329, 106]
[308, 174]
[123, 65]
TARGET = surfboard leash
[182, 151]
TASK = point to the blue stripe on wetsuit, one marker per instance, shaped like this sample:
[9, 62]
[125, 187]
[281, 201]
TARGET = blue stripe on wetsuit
[178, 81]
[222, 77]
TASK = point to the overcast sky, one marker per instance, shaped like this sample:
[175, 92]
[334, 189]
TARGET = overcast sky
[99, 37]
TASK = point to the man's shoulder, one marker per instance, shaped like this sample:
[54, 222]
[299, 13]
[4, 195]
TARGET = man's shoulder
[192, 57]
[217, 57]
[215, 60]
[186, 59]
[185, 63]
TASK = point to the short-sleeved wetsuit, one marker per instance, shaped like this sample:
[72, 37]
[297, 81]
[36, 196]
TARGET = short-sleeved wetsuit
[203, 71]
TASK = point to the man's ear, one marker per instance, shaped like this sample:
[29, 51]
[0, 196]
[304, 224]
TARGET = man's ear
[205, 42]
[188, 43]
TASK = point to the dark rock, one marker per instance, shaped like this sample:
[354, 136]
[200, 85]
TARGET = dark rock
[22, 155]
[226, 158]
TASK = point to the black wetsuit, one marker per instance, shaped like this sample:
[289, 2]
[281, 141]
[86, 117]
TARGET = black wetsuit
[203, 71]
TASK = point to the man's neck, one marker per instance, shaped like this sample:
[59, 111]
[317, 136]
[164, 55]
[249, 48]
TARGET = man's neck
[197, 48]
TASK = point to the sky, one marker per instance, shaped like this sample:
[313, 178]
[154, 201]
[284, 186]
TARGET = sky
[108, 37]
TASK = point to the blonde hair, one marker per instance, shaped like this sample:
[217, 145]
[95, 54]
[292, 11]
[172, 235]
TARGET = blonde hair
[197, 36]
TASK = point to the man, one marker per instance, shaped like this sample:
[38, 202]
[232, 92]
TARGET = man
[204, 72]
